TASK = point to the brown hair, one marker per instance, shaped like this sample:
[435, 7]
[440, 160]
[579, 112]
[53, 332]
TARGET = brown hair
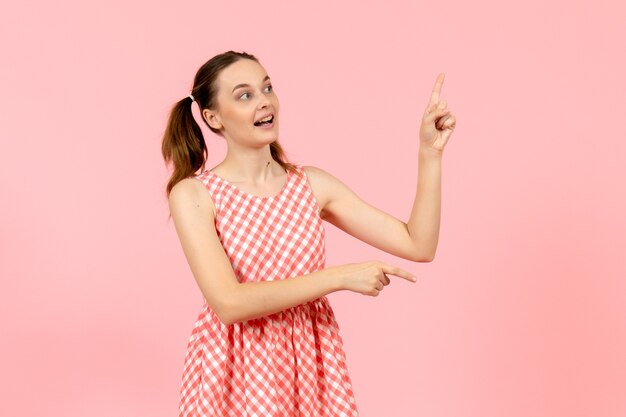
[183, 142]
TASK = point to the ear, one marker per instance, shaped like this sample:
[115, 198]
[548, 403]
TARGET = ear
[212, 119]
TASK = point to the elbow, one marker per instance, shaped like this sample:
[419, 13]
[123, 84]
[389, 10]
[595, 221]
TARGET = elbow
[230, 319]
[420, 253]
[424, 258]
[225, 318]
[222, 309]
[227, 311]
[225, 315]
[222, 314]
[429, 257]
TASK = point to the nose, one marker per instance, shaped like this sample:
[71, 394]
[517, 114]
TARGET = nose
[264, 102]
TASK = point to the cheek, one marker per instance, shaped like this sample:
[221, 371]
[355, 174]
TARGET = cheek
[238, 119]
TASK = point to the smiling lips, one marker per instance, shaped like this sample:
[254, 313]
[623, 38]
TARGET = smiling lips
[267, 121]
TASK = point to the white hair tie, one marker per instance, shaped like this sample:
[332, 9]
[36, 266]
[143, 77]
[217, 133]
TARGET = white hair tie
[191, 97]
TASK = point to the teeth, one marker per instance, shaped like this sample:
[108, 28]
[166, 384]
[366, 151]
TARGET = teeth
[266, 119]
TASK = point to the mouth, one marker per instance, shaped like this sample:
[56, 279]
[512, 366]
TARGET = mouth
[266, 122]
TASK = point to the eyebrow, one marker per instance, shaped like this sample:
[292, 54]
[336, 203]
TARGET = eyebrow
[267, 77]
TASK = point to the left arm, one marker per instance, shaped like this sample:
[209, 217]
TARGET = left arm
[416, 240]
[343, 208]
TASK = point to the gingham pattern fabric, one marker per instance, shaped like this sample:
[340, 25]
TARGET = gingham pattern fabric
[289, 363]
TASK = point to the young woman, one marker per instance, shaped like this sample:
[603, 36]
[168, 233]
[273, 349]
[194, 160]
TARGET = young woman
[266, 342]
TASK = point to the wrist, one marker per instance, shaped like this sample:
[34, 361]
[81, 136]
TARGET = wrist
[429, 153]
[335, 278]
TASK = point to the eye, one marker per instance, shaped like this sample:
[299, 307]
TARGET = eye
[269, 86]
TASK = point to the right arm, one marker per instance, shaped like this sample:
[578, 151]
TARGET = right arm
[258, 299]
[193, 213]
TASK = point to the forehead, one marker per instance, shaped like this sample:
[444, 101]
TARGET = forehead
[240, 72]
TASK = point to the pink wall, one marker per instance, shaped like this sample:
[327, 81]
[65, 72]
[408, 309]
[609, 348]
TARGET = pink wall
[523, 311]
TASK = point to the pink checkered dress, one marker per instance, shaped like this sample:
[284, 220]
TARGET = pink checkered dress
[289, 363]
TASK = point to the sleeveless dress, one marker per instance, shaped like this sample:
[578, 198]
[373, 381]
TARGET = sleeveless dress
[290, 363]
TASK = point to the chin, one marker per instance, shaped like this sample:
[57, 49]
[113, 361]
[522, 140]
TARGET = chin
[266, 140]
[268, 137]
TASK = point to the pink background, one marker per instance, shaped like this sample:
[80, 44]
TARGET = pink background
[523, 311]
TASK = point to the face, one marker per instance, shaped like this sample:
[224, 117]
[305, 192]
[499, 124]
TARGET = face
[244, 96]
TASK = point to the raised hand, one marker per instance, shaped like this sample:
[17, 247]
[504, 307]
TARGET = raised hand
[438, 122]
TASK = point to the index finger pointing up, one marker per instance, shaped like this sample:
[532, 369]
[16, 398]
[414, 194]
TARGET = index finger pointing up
[434, 97]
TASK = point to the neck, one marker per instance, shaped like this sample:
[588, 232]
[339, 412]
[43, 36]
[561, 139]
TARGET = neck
[252, 165]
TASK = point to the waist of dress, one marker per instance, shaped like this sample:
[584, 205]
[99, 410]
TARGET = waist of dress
[319, 305]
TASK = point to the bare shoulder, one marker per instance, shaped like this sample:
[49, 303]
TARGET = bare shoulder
[325, 186]
[191, 194]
